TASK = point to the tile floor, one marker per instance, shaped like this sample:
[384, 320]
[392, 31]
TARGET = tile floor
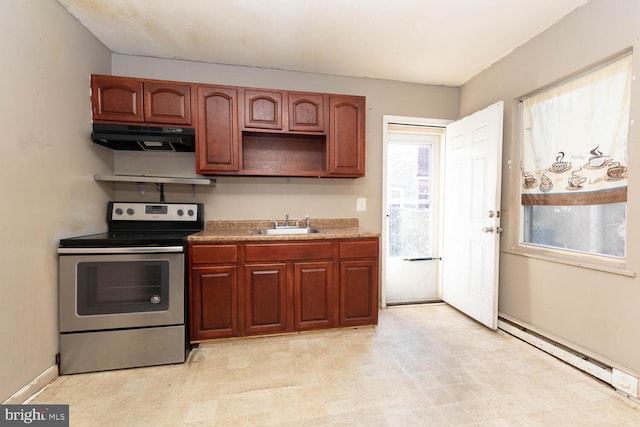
[421, 366]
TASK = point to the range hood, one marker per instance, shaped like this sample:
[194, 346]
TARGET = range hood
[143, 138]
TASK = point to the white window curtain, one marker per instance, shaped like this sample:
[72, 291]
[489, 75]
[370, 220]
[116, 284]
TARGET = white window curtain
[574, 139]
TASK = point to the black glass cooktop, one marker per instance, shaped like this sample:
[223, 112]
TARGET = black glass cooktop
[127, 238]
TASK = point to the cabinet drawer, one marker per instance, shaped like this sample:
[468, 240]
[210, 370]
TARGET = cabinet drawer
[288, 251]
[359, 249]
[214, 254]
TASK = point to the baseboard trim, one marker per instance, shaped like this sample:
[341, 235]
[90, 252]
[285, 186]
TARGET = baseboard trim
[622, 381]
[25, 393]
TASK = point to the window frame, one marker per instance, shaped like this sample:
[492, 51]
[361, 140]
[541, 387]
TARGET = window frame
[517, 245]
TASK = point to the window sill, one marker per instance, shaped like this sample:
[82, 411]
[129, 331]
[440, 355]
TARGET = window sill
[548, 255]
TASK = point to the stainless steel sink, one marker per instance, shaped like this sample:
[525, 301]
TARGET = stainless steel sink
[285, 230]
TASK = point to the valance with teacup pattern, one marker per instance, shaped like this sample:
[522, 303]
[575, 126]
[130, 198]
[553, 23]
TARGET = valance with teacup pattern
[574, 150]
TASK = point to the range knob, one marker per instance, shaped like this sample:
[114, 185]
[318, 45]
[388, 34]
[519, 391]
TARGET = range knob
[190, 212]
[130, 211]
[180, 212]
[119, 211]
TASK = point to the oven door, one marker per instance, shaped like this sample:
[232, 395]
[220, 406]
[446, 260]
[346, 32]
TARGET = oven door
[122, 290]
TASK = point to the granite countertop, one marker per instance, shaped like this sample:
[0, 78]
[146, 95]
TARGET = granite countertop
[239, 230]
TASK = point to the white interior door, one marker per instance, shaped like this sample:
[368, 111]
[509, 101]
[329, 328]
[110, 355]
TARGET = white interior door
[412, 180]
[471, 219]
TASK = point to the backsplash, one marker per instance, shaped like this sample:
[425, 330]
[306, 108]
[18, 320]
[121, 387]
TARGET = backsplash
[149, 163]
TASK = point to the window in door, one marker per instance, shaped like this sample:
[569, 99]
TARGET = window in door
[411, 230]
[574, 162]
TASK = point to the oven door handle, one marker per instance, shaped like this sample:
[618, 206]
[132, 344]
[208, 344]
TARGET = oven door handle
[127, 250]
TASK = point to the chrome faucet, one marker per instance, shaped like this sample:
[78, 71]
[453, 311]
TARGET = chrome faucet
[287, 223]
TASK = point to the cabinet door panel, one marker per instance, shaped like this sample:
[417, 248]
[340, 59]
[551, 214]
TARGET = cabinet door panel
[358, 293]
[214, 309]
[263, 109]
[306, 112]
[313, 293]
[217, 130]
[167, 103]
[265, 298]
[346, 135]
[116, 99]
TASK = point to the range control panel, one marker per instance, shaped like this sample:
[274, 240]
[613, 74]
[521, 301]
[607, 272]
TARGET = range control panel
[137, 211]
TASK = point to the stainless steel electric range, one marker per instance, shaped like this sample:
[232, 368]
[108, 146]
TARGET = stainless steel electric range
[122, 293]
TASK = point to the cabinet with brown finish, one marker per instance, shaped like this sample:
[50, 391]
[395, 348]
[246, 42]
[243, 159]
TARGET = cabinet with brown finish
[301, 134]
[167, 103]
[255, 288]
[305, 269]
[358, 282]
[265, 301]
[132, 100]
[213, 291]
[313, 295]
[217, 141]
[245, 131]
[346, 135]
[263, 109]
[306, 112]
[288, 111]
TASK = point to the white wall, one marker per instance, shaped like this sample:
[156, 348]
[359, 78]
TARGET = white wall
[594, 310]
[272, 198]
[47, 163]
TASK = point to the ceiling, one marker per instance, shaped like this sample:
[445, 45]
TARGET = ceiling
[441, 42]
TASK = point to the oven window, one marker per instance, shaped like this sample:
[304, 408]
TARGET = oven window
[122, 287]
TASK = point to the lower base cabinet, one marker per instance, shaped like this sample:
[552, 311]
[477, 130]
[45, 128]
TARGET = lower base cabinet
[357, 293]
[257, 288]
[217, 287]
[313, 295]
[265, 308]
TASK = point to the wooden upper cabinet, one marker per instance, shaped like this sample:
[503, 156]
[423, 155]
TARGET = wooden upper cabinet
[217, 141]
[245, 131]
[306, 112]
[284, 111]
[262, 109]
[167, 103]
[131, 100]
[116, 99]
[346, 135]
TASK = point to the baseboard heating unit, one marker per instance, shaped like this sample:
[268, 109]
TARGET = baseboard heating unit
[622, 381]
